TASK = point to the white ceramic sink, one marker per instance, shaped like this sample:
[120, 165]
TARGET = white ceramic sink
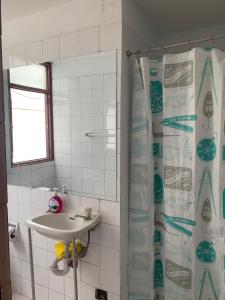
[63, 226]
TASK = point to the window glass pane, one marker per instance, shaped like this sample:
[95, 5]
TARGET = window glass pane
[29, 129]
[32, 76]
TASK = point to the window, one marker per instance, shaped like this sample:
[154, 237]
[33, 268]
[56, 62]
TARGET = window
[30, 94]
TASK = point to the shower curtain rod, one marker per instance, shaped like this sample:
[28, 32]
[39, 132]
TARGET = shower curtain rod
[211, 38]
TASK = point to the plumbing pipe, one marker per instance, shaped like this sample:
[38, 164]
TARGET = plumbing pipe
[60, 272]
[55, 268]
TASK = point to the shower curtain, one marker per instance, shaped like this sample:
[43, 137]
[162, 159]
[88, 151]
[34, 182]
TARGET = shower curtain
[177, 182]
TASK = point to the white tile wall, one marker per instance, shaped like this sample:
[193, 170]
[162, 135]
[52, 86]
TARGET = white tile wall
[88, 41]
[35, 52]
[85, 103]
[68, 44]
[110, 35]
[99, 269]
[19, 55]
[52, 49]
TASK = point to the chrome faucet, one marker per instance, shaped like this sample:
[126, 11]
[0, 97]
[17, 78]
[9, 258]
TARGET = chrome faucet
[83, 216]
[87, 214]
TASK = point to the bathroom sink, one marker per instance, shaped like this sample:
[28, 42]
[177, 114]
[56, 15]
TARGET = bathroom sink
[63, 226]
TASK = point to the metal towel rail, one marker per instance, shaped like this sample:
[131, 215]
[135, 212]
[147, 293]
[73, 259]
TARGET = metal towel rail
[92, 134]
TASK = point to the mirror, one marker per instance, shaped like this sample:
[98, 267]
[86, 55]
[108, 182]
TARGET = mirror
[61, 129]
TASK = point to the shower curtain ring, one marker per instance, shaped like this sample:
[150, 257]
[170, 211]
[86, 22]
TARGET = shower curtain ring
[138, 54]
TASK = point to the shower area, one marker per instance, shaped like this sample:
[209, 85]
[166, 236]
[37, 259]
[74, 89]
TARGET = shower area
[176, 206]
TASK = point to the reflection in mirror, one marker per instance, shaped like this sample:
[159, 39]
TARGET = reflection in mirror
[68, 106]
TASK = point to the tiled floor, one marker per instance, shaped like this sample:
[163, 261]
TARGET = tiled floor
[18, 297]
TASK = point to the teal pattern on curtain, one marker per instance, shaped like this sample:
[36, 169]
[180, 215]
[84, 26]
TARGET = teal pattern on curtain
[177, 184]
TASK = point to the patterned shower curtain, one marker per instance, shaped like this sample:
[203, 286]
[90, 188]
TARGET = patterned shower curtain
[177, 184]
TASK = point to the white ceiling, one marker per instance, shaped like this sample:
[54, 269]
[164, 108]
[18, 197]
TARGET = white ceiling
[179, 15]
[12, 9]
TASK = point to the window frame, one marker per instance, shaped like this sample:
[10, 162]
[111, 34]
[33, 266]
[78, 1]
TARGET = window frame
[48, 116]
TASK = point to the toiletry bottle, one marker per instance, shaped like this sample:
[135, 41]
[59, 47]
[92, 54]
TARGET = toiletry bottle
[55, 203]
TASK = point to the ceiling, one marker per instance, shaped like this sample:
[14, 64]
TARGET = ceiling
[12, 9]
[170, 16]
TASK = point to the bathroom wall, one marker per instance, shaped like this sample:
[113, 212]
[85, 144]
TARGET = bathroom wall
[99, 269]
[57, 34]
[84, 100]
[74, 15]
[76, 28]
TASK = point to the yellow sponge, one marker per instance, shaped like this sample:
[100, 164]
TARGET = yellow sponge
[60, 249]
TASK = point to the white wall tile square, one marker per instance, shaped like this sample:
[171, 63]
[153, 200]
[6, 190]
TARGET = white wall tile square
[109, 87]
[39, 240]
[86, 109]
[110, 212]
[40, 257]
[88, 41]
[12, 194]
[51, 49]
[110, 36]
[56, 283]
[98, 188]
[92, 256]
[110, 190]
[13, 212]
[16, 283]
[41, 292]
[69, 287]
[87, 292]
[68, 44]
[113, 297]
[15, 265]
[24, 213]
[41, 276]
[98, 162]
[19, 55]
[55, 296]
[35, 52]
[24, 196]
[97, 81]
[90, 274]
[87, 186]
[89, 202]
[110, 259]
[110, 281]
[14, 249]
[98, 108]
[110, 236]
[26, 287]
[25, 269]
[85, 82]
[97, 95]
